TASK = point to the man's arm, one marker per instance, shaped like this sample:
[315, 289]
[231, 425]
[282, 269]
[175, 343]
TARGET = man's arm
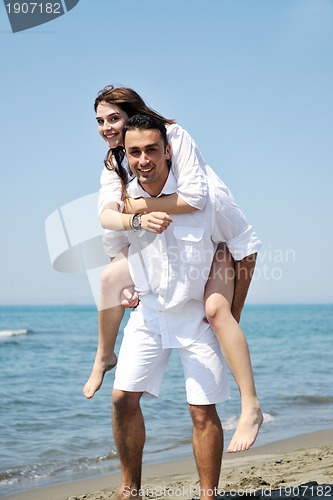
[244, 270]
[231, 227]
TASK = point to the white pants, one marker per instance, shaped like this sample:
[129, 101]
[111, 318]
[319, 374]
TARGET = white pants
[142, 362]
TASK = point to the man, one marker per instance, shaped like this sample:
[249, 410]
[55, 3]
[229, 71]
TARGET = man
[170, 270]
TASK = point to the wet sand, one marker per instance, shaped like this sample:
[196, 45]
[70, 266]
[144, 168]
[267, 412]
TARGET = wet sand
[301, 466]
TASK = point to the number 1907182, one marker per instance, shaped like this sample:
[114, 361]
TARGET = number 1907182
[34, 8]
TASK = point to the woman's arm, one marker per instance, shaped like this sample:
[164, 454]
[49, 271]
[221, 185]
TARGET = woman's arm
[154, 222]
[110, 191]
[111, 218]
[171, 203]
[110, 206]
[188, 167]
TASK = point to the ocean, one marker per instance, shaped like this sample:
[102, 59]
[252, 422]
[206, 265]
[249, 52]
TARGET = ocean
[49, 433]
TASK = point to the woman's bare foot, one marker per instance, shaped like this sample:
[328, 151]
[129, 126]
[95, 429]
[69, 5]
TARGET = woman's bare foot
[247, 430]
[101, 366]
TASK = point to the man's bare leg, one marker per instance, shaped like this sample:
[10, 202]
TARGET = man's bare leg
[115, 278]
[218, 300]
[207, 447]
[129, 435]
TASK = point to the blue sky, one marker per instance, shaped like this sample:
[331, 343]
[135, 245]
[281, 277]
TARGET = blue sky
[251, 80]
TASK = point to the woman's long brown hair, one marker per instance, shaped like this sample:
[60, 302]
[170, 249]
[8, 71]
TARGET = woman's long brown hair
[132, 104]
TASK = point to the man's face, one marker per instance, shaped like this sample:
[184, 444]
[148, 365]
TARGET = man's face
[147, 158]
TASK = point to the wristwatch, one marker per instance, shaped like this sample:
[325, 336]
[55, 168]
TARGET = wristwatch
[136, 222]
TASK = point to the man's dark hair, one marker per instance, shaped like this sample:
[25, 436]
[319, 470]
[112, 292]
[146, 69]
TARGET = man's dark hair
[146, 122]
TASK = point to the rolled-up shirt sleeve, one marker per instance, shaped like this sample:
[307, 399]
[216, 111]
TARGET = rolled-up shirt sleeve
[188, 167]
[110, 190]
[231, 226]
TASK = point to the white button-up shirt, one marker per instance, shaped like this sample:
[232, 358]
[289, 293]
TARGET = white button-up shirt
[170, 270]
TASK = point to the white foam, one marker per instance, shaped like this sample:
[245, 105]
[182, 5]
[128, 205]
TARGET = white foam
[12, 333]
[268, 418]
[232, 422]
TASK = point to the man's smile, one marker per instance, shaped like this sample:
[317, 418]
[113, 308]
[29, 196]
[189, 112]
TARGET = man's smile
[145, 170]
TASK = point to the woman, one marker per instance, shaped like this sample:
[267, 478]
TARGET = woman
[113, 107]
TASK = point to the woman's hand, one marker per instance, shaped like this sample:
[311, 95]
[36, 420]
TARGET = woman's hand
[155, 222]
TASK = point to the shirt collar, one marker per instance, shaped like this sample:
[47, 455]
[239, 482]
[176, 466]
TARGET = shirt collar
[135, 190]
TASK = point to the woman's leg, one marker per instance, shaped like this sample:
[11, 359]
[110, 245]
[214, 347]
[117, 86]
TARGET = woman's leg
[218, 299]
[115, 278]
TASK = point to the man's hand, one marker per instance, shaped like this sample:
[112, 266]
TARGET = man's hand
[131, 298]
[155, 222]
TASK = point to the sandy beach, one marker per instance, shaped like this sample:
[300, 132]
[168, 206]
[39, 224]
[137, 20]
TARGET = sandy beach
[298, 467]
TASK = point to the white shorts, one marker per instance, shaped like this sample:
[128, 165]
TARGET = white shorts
[142, 362]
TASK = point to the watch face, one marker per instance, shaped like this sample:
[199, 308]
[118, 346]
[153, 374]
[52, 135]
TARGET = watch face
[136, 222]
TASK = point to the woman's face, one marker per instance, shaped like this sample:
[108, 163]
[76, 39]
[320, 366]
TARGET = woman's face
[111, 121]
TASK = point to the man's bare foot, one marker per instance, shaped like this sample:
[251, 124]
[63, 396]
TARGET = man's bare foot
[97, 375]
[246, 431]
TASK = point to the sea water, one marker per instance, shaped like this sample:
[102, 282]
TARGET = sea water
[50, 433]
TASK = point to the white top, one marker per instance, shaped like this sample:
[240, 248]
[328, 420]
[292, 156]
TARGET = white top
[170, 270]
